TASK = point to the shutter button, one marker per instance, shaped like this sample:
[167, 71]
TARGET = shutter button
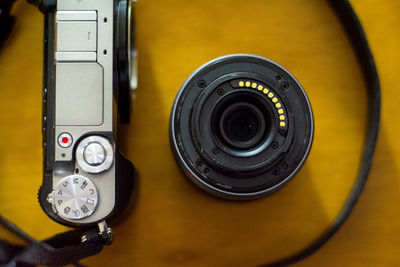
[94, 154]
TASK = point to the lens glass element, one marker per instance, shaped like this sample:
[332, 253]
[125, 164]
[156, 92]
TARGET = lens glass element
[242, 125]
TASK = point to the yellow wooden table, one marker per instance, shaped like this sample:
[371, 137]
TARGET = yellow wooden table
[173, 223]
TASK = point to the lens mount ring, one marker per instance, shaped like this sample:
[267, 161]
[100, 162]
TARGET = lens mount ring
[236, 131]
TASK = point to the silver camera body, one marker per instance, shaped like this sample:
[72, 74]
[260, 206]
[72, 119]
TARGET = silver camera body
[86, 81]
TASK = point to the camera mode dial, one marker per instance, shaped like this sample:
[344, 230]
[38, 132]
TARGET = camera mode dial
[74, 197]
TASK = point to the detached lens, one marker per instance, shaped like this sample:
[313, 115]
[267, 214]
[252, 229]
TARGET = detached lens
[241, 127]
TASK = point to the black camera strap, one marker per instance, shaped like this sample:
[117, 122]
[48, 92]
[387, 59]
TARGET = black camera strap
[62, 249]
[69, 248]
[359, 41]
[6, 21]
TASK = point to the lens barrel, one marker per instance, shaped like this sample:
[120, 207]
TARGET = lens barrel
[241, 126]
[124, 57]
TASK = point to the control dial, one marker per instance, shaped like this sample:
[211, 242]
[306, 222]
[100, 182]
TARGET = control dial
[74, 197]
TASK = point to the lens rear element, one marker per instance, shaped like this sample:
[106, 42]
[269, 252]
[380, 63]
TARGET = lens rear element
[242, 125]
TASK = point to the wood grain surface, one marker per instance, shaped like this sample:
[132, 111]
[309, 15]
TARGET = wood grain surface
[171, 222]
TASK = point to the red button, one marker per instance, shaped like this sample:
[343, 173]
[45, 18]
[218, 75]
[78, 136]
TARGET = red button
[64, 140]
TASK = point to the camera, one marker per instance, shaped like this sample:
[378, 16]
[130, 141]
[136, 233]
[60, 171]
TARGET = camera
[241, 127]
[89, 70]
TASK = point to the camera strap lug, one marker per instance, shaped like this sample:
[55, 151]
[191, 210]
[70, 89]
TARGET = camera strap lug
[104, 231]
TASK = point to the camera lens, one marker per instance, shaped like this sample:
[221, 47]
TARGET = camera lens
[125, 63]
[131, 47]
[236, 130]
